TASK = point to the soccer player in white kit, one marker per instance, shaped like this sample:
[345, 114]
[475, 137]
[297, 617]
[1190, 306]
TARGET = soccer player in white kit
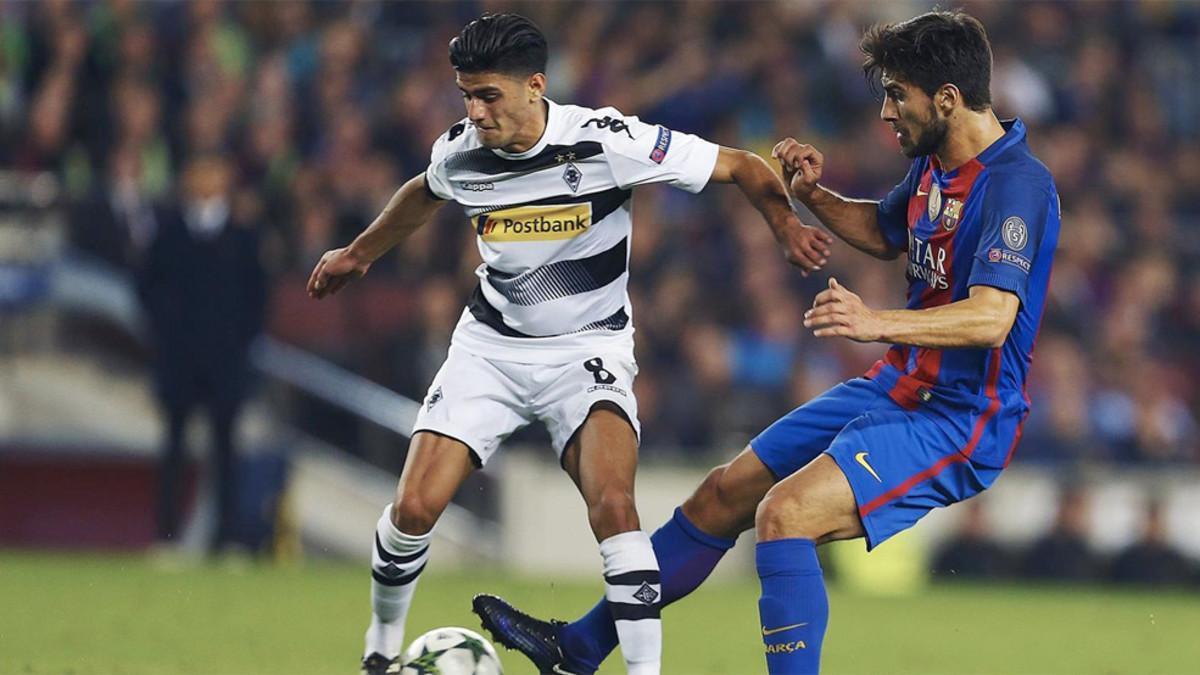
[547, 334]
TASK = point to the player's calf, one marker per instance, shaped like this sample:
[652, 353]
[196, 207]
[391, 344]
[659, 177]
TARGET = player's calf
[723, 505]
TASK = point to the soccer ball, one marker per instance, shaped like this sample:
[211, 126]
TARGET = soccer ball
[450, 651]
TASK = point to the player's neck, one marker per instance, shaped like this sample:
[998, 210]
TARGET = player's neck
[970, 135]
[529, 137]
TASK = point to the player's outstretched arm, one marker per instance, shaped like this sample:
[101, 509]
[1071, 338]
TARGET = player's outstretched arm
[407, 210]
[854, 220]
[803, 246]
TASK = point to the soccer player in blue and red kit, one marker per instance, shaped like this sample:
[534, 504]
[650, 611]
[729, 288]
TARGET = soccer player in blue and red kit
[932, 423]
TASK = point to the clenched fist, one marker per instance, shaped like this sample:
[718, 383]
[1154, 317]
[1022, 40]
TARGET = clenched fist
[802, 164]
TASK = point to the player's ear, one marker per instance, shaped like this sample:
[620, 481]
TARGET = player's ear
[536, 86]
[946, 98]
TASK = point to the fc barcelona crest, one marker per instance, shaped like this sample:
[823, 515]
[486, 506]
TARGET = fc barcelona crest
[951, 214]
[935, 201]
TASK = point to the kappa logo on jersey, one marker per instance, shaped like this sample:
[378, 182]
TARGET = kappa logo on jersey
[434, 398]
[535, 223]
[613, 124]
[661, 145]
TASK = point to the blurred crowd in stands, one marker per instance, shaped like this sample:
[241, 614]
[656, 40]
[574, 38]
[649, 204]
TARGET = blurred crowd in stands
[323, 109]
[1066, 551]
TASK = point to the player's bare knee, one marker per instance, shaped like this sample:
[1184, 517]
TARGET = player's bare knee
[613, 512]
[779, 517]
[412, 514]
[769, 518]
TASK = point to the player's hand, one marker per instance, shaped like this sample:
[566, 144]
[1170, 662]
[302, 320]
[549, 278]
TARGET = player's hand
[837, 311]
[806, 247]
[334, 270]
[802, 165]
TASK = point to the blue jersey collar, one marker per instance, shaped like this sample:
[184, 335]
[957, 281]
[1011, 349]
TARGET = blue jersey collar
[1014, 133]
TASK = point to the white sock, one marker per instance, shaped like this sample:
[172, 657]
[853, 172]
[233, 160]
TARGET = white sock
[634, 593]
[396, 563]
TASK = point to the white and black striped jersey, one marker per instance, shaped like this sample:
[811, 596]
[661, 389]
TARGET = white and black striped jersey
[553, 226]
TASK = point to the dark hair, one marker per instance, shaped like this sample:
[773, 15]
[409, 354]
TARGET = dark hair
[499, 43]
[931, 50]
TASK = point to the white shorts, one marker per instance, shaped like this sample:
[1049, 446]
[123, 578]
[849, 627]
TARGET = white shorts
[481, 402]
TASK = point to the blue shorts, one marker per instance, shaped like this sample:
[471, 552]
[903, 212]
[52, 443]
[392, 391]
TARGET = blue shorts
[900, 463]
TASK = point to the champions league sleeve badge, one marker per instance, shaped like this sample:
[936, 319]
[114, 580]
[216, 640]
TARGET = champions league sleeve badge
[1014, 232]
[661, 145]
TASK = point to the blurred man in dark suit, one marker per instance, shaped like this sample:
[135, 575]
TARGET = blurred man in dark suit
[115, 223]
[204, 293]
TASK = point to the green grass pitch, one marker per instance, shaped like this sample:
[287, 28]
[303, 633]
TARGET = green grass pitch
[122, 615]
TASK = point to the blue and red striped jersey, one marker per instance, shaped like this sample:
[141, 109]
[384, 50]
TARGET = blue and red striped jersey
[993, 221]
